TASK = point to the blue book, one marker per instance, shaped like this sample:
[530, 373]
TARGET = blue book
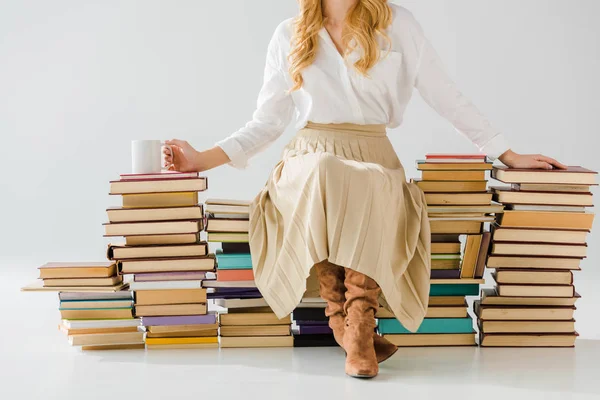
[429, 325]
[445, 289]
[233, 260]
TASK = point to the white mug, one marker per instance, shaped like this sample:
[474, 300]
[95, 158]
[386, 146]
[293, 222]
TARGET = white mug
[146, 156]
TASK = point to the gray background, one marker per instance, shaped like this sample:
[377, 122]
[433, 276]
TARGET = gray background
[80, 79]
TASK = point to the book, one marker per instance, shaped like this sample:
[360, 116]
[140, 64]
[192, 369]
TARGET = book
[469, 262]
[313, 330]
[100, 323]
[38, 286]
[309, 314]
[429, 325]
[227, 225]
[126, 346]
[480, 198]
[450, 175]
[446, 301]
[452, 209]
[179, 320]
[424, 165]
[549, 187]
[253, 319]
[150, 240]
[459, 311]
[106, 338]
[482, 256]
[490, 297]
[442, 289]
[174, 276]
[227, 202]
[68, 332]
[533, 262]
[429, 339]
[228, 275]
[231, 248]
[257, 341]
[527, 339]
[134, 266]
[182, 346]
[77, 270]
[445, 257]
[133, 186]
[165, 285]
[573, 175]
[255, 330]
[160, 175]
[72, 304]
[460, 227]
[322, 340]
[96, 313]
[121, 251]
[84, 282]
[457, 156]
[200, 333]
[225, 210]
[180, 296]
[512, 290]
[122, 214]
[182, 329]
[534, 277]
[233, 261]
[540, 249]
[83, 296]
[227, 237]
[152, 228]
[445, 248]
[523, 313]
[183, 340]
[159, 310]
[512, 195]
[229, 284]
[241, 303]
[445, 274]
[451, 186]
[153, 200]
[542, 207]
[527, 326]
[504, 234]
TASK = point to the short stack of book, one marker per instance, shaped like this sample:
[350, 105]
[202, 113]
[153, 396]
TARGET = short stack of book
[537, 244]
[459, 205]
[248, 321]
[95, 306]
[164, 257]
[311, 326]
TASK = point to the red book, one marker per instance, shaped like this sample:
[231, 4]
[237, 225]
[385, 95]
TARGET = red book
[160, 175]
[456, 156]
[235, 275]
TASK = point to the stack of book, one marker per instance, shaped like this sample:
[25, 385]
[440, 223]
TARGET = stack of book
[537, 243]
[459, 205]
[95, 306]
[311, 326]
[246, 320]
[164, 257]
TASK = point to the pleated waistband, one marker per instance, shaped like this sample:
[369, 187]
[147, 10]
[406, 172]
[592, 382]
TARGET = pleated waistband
[375, 130]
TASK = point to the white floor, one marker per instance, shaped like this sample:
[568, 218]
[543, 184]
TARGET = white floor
[37, 362]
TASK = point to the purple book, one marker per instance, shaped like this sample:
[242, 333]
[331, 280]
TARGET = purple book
[174, 276]
[180, 320]
[233, 295]
[312, 323]
[235, 290]
[445, 274]
[314, 330]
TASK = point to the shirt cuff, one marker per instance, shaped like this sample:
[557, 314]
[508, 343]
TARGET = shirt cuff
[495, 147]
[234, 151]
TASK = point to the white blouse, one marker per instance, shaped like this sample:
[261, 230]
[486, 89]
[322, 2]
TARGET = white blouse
[334, 92]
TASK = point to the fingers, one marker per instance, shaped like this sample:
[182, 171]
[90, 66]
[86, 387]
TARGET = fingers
[541, 165]
[551, 161]
[177, 142]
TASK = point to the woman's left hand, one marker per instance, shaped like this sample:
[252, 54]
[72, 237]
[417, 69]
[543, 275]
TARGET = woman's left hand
[529, 161]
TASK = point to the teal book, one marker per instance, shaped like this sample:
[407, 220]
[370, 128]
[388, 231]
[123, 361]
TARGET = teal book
[429, 325]
[463, 289]
[233, 260]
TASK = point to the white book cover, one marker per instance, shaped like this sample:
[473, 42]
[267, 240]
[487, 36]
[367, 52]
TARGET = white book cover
[100, 323]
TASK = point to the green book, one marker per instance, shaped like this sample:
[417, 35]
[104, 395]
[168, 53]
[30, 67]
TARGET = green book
[463, 289]
[429, 325]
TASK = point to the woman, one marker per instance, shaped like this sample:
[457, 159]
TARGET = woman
[339, 199]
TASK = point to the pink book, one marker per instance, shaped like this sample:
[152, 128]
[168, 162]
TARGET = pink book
[161, 175]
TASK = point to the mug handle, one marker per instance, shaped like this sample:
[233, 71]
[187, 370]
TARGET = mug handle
[163, 144]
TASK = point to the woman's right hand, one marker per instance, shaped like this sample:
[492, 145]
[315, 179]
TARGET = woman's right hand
[184, 157]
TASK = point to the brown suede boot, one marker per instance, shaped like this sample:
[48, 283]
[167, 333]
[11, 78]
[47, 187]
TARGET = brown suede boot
[332, 290]
[362, 294]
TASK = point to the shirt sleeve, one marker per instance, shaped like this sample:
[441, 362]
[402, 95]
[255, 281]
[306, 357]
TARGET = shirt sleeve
[441, 93]
[274, 111]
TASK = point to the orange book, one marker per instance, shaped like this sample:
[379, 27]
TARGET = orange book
[235, 275]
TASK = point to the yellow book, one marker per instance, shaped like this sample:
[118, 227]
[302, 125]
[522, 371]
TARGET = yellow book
[149, 200]
[182, 340]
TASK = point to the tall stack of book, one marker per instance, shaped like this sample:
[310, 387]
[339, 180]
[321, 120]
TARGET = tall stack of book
[164, 257]
[248, 321]
[459, 205]
[537, 243]
[95, 306]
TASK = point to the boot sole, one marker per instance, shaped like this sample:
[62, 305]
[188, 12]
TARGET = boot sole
[361, 376]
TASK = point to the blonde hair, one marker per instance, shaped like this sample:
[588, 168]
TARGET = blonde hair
[367, 20]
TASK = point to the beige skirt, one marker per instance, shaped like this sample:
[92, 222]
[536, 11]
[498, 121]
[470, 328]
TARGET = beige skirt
[340, 194]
